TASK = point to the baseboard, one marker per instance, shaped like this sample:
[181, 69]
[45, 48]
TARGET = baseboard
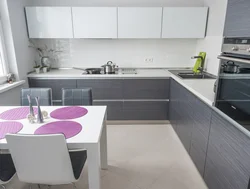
[137, 122]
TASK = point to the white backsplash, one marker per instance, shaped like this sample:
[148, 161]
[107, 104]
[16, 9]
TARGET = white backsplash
[124, 52]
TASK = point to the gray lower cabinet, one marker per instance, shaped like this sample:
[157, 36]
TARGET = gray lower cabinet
[145, 110]
[237, 19]
[55, 84]
[103, 89]
[228, 156]
[114, 109]
[146, 88]
[190, 118]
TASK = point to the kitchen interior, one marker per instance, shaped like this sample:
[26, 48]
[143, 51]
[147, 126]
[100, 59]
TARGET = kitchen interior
[165, 83]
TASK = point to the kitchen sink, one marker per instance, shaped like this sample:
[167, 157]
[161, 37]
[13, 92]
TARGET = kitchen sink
[195, 76]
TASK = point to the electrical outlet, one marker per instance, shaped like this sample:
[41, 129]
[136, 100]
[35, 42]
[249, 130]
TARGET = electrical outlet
[149, 60]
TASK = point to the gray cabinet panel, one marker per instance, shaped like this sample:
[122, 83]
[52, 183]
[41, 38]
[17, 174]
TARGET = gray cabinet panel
[237, 19]
[114, 109]
[55, 84]
[146, 89]
[103, 88]
[228, 156]
[145, 110]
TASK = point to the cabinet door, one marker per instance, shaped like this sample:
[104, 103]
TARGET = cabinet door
[146, 88]
[139, 22]
[55, 84]
[201, 126]
[228, 156]
[114, 109]
[145, 110]
[95, 22]
[184, 22]
[237, 19]
[103, 89]
[49, 22]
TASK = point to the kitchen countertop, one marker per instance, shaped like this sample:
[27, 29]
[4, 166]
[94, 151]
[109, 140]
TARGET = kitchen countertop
[203, 88]
[75, 73]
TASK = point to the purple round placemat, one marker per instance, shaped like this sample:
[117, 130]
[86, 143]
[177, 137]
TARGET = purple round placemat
[16, 113]
[9, 127]
[68, 128]
[71, 112]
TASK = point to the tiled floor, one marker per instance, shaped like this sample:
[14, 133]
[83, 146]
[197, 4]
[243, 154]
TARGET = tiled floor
[143, 157]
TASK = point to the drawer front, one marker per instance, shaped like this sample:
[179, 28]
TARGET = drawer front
[145, 110]
[146, 88]
[114, 109]
[228, 156]
[55, 84]
[103, 89]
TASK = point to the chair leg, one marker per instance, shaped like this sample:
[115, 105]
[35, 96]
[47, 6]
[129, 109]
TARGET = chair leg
[74, 185]
[2, 186]
[30, 187]
[39, 186]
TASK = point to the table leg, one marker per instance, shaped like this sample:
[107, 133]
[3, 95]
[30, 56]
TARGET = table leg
[94, 174]
[103, 147]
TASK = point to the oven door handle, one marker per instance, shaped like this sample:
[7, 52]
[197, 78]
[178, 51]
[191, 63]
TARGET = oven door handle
[233, 59]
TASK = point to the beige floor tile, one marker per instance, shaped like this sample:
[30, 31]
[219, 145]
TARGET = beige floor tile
[142, 157]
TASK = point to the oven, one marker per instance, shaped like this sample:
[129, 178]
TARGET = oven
[233, 85]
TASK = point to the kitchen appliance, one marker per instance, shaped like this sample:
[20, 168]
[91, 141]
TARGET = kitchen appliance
[233, 84]
[230, 67]
[109, 68]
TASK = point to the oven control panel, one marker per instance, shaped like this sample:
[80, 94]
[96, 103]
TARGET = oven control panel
[239, 46]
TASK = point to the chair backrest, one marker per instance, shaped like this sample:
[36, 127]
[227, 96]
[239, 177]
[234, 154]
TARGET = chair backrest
[77, 97]
[44, 94]
[42, 159]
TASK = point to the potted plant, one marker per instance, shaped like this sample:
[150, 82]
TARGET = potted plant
[46, 54]
[45, 69]
[37, 68]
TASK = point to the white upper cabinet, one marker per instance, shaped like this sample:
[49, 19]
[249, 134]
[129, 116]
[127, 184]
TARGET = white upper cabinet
[95, 22]
[184, 22]
[49, 22]
[139, 22]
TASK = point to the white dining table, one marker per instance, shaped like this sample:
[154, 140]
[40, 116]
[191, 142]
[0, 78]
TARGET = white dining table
[93, 137]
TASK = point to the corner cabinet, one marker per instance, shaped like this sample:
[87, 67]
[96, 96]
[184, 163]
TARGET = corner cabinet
[184, 22]
[49, 22]
[219, 150]
[139, 22]
[95, 22]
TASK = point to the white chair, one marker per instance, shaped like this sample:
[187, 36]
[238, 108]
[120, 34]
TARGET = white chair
[45, 159]
[7, 168]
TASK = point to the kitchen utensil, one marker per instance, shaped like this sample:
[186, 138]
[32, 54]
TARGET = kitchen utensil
[109, 68]
[230, 67]
[93, 70]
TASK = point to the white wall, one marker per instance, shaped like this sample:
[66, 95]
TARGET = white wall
[126, 53]
[24, 54]
[11, 97]
[213, 41]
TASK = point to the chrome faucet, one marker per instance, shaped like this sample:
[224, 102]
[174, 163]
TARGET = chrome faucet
[201, 68]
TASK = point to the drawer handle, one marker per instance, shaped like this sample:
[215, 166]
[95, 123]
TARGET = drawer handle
[233, 107]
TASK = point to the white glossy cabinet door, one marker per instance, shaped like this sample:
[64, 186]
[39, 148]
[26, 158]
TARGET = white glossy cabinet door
[184, 22]
[139, 22]
[49, 22]
[95, 22]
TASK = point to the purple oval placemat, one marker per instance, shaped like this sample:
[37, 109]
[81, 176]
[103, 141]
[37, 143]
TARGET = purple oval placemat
[71, 112]
[16, 113]
[68, 128]
[9, 127]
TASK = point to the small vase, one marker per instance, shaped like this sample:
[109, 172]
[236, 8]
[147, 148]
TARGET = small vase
[45, 61]
[39, 113]
[37, 70]
[30, 106]
[45, 69]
